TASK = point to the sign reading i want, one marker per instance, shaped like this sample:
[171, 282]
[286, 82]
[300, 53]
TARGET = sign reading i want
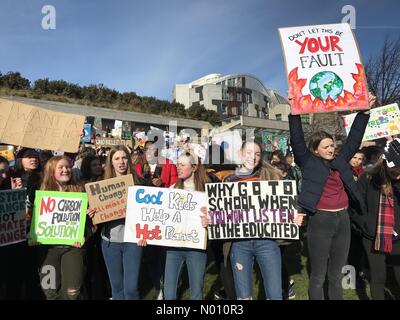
[324, 69]
[59, 218]
[109, 197]
[165, 217]
[12, 216]
[254, 209]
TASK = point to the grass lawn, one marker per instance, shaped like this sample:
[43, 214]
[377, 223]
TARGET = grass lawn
[296, 260]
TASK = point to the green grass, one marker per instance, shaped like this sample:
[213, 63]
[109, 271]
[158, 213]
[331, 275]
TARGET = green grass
[296, 260]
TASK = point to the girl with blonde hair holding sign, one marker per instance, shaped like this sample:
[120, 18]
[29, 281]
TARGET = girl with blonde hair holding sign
[68, 262]
[191, 177]
[243, 251]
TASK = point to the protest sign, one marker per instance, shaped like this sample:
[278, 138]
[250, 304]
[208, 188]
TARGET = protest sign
[12, 216]
[274, 141]
[109, 197]
[8, 153]
[383, 122]
[112, 142]
[165, 217]
[58, 218]
[87, 132]
[324, 69]
[256, 209]
[29, 126]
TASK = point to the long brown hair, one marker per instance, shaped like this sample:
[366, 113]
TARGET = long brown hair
[199, 176]
[49, 183]
[269, 172]
[109, 171]
[380, 176]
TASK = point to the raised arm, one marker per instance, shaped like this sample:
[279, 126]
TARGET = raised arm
[355, 136]
[300, 150]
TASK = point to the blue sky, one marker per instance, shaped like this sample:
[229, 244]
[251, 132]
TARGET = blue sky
[148, 46]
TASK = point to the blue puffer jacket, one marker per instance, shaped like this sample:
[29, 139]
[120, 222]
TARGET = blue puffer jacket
[315, 171]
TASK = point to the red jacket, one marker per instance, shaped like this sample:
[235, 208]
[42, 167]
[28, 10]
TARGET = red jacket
[169, 175]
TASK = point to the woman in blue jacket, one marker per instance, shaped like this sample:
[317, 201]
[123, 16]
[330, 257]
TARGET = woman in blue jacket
[327, 188]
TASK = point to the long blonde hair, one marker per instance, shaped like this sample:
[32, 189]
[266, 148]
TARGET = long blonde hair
[199, 176]
[109, 171]
[49, 183]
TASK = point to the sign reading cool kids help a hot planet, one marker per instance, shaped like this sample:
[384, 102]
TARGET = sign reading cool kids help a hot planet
[59, 218]
[165, 217]
[324, 69]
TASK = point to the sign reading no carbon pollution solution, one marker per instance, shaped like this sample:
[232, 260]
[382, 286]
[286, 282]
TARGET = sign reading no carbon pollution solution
[324, 69]
[165, 217]
[109, 198]
[253, 209]
[59, 218]
[12, 216]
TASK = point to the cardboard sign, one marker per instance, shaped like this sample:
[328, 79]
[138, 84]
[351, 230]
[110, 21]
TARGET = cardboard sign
[58, 218]
[109, 197]
[273, 141]
[12, 216]
[383, 122]
[28, 126]
[324, 69]
[165, 217]
[111, 142]
[256, 209]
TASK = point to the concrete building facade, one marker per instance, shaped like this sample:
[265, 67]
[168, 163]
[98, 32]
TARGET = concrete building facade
[233, 95]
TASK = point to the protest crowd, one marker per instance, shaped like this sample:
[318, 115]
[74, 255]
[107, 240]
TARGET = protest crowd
[90, 224]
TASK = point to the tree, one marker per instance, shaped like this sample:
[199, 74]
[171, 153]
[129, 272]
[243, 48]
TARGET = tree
[14, 80]
[383, 73]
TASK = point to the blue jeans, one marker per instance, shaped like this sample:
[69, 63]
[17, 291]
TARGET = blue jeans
[123, 266]
[196, 261]
[268, 258]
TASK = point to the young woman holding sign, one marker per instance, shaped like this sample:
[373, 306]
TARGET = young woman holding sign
[122, 259]
[191, 177]
[266, 251]
[68, 262]
[327, 188]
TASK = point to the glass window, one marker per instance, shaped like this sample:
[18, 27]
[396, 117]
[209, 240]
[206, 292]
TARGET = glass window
[278, 117]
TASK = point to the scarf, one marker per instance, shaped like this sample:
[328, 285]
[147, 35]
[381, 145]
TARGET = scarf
[385, 225]
[357, 171]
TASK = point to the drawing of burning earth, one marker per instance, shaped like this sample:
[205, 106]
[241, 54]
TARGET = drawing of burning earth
[326, 84]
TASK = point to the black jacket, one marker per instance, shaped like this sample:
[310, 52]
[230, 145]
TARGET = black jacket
[315, 171]
[365, 221]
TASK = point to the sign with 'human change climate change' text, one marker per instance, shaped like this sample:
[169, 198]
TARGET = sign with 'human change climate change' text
[252, 209]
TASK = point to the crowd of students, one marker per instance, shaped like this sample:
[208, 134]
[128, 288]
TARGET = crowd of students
[346, 204]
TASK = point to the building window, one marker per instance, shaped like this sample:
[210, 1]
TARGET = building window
[278, 117]
[223, 109]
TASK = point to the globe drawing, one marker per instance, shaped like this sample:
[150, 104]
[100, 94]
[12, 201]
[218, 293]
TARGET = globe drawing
[326, 84]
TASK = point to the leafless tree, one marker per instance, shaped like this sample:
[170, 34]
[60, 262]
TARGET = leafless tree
[383, 73]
